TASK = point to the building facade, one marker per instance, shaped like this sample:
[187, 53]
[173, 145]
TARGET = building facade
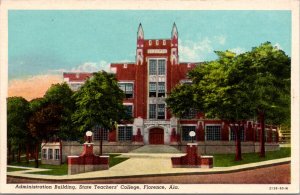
[146, 84]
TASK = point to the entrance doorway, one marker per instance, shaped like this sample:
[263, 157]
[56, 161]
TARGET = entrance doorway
[156, 136]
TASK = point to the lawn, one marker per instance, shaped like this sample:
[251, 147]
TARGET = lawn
[63, 169]
[220, 160]
[12, 169]
[226, 160]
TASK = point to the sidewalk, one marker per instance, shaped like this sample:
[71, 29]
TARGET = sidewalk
[142, 164]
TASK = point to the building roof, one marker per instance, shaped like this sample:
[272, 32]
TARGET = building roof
[77, 76]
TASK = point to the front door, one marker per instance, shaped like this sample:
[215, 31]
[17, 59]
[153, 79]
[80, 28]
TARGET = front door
[156, 136]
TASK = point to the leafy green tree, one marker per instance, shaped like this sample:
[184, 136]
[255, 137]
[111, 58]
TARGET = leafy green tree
[17, 131]
[221, 87]
[99, 102]
[270, 90]
[182, 99]
[44, 123]
[238, 87]
[60, 94]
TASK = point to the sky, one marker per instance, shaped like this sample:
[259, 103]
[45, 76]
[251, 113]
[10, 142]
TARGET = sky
[47, 43]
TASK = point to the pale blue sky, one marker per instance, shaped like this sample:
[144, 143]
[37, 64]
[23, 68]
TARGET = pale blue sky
[48, 42]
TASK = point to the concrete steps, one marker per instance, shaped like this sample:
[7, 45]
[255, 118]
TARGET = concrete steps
[156, 149]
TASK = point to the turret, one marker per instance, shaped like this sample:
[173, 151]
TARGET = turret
[140, 45]
[174, 35]
[140, 37]
[174, 45]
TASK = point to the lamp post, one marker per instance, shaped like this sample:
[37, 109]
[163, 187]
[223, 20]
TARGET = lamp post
[89, 136]
[192, 134]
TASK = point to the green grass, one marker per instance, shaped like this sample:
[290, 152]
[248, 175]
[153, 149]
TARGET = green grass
[226, 160]
[12, 169]
[54, 170]
[114, 161]
[220, 160]
[63, 169]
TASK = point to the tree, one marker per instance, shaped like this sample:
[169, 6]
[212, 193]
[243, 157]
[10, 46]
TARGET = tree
[17, 131]
[222, 88]
[182, 99]
[99, 102]
[238, 87]
[270, 72]
[44, 123]
[60, 94]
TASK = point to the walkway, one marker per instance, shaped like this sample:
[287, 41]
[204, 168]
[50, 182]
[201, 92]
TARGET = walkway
[156, 149]
[146, 164]
[275, 174]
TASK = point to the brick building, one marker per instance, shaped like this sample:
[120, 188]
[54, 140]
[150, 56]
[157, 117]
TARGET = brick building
[146, 84]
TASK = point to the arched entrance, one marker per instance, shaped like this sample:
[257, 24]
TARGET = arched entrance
[156, 136]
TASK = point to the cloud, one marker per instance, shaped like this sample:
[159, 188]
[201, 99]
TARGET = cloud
[278, 46]
[238, 50]
[36, 86]
[88, 67]
[200, 50]
[91, 67]
[33, 87]
[221, 39]
[194, 51]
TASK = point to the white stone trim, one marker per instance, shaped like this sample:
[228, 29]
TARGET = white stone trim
[156, 78]
[124, 81]
[192, 144]
[188, 125]
[129, 125]
[166, 129]
[213, 125]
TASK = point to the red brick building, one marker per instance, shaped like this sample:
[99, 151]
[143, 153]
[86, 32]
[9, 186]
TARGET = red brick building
[146, 84]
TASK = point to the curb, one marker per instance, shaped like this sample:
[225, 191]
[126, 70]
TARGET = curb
[162, 174]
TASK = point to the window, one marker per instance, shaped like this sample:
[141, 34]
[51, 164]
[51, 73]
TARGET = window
[152, 89]
[213, 132]
[152, 67]
[50, 153]
[161, 89]
[242, 133]
[257, 134]
[129, 110]
[266, 134]
[96, 134]
[160, 111]
[44, 153]
[161, 67]
[75, 86]
[274, 136]
[157, 111]
[152, 111]
[124, 133]
[127, 88]
[185, 132]
[157, 67]
[157, 89]
[56, 154]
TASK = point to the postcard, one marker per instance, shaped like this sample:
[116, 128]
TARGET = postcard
[160, 97]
